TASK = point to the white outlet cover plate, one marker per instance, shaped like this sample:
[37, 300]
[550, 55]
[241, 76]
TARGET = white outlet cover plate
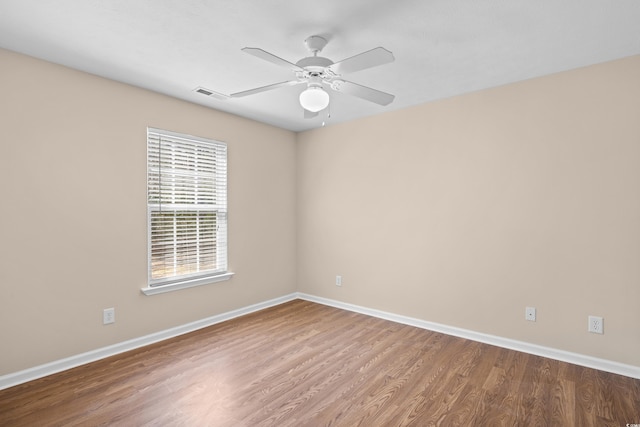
[596, 325]
[108, 316]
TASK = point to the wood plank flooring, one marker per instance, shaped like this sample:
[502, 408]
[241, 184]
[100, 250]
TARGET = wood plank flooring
[305, 364]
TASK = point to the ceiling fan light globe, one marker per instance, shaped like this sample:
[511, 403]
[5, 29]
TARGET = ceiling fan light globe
[314, 99]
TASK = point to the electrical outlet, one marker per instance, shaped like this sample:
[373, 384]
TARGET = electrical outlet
[108, 316]
[596, 325]
[530, 314]
[338, 280]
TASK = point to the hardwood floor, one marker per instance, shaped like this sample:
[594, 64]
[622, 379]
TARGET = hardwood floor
[305, 364]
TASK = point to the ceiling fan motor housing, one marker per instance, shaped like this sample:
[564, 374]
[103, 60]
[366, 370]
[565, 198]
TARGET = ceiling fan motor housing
[314, 62]
[315, 65]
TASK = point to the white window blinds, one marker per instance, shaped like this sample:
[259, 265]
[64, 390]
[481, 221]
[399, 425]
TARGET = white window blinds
[187, 207]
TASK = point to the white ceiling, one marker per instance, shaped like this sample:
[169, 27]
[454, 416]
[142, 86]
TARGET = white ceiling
[442, 48]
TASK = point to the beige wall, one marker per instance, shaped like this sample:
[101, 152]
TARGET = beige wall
[73, 214]
[466, 210]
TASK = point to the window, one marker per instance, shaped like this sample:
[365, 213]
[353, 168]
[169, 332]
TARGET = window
[186, 210]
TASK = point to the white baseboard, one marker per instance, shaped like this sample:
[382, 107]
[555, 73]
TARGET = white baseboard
[551, 353]
[40, 371]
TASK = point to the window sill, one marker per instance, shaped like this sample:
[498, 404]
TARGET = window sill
[186, 284]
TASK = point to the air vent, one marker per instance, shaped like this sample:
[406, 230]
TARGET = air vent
[211, 93]
[204, 91]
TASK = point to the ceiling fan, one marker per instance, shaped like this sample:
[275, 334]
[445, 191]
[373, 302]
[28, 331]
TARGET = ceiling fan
[317, 72]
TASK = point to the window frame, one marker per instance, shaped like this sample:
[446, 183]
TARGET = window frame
[219, 179]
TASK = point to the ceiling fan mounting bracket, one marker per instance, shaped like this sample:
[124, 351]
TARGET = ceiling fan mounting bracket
[315, 44]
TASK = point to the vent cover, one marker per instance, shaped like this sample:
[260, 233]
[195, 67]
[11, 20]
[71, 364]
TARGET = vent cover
[204, 91]
[211, 93]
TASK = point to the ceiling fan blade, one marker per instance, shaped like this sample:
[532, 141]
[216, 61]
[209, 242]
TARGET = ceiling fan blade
[264, 88]
[363, 92]
[263, 54]
[310, 114]
[362, 61]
